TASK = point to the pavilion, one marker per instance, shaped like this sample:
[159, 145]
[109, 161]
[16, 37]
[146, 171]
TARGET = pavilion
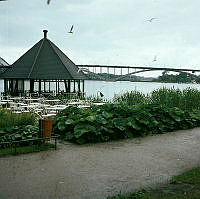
[3, 65]
[43, 69]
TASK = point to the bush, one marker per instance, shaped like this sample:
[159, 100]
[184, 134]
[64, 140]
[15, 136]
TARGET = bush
[111, 122]
[18, 134]
[187, 99]
[9, 119]
[132, 98]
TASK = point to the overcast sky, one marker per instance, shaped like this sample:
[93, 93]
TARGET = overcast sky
[106, 32]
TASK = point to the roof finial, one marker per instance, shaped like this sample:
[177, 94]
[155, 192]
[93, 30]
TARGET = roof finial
[45, 33]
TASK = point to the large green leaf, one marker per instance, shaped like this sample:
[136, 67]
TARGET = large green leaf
[129, 134]
[17, 136]
[69, 121]
[120, 123]
[107, 115]
[25, 132]
[155, 122]
[105, 138]
[69, 136]
[101, 120]
[81, 129]
[176, 118]
[2, 132]
[90, 118]
[61, 126]
[107, 130]
[144, 121]
[133, 123]
[81, 140]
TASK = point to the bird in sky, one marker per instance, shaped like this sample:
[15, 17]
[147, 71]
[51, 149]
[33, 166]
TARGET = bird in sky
[3, 0]
[155, 59]
[48, 1]
[150, 20]
[71, 30]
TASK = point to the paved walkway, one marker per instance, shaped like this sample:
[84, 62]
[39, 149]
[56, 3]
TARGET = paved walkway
[98, 170]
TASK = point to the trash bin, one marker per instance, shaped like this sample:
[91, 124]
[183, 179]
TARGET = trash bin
[45, 126]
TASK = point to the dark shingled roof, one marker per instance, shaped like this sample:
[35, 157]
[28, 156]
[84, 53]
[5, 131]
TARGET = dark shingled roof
[43, 61]
[3, 65]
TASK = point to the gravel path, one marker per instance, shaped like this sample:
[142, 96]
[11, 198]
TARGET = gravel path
[98, 170]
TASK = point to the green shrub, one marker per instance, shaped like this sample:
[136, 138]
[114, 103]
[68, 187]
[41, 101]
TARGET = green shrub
[169, 97]
[187, 99]
[111, 122]
[9, 119]
[18, 134]
[132, 98]
[191, 99]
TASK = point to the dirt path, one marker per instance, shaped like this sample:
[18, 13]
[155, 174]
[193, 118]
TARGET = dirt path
[98, 170]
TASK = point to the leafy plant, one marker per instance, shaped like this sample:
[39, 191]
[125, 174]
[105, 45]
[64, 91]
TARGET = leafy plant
[18, 134]
[9, 119]
[186, 99]
[115, 121]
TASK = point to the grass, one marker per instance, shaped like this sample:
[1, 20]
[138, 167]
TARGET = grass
[26, 149]
[132, 98]
[186, 99]
[184, 186]
[9, 119]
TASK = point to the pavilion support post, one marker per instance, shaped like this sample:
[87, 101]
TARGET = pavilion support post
[58, 86]
[65, 83]
[44, 86]
[31, 85]
[74, 86]
[11, 86]
[40, 87]
[79, 88]
[49, 86]
[23, 86]
[83, 87]
[16, 91]
[5, 86]
[69, 86]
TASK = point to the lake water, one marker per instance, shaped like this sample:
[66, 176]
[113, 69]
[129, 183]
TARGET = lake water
[110, 89]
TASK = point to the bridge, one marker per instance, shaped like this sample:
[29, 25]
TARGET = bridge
[125, 71]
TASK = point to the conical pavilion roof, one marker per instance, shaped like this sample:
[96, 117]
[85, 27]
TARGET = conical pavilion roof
[43, 61]
[3, 65]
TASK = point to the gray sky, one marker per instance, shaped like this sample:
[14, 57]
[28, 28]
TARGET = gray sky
[112, 32]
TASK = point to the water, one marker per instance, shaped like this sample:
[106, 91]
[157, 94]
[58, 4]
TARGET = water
[110, 89]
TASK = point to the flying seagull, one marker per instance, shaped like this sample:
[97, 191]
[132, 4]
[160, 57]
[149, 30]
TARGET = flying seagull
[150, 20]
[155, 59]
[48, 1]
[71, 30]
